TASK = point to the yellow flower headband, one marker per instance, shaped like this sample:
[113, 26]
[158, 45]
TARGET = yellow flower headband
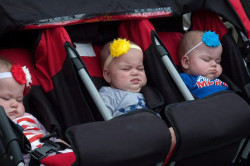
[117, 48]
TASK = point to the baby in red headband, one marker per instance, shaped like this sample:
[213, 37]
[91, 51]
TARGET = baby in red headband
[15, 82]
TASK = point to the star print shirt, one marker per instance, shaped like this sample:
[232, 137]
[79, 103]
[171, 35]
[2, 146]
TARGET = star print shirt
[119, 101]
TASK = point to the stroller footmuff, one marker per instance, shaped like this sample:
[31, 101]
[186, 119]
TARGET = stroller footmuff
[208, 128]
[135, 139]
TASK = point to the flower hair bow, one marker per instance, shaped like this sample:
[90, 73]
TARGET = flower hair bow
[21, 75]
[117, 48]
[209, 38]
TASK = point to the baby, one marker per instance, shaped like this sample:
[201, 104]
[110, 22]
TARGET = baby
[200, 55]
[14, 84]
[123, 69]
[122, 64]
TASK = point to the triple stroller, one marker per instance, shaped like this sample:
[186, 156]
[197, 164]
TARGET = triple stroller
[66, 76]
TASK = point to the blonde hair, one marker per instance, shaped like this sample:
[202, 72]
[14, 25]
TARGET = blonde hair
[105, 52]
[188, 41]
[5, 65]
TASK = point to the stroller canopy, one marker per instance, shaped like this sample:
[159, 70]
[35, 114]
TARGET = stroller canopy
[28, 14]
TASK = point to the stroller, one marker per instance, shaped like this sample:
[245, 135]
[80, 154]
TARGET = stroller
[58, 90]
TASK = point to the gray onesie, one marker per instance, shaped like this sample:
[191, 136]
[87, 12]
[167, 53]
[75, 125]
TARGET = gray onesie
[119, 101]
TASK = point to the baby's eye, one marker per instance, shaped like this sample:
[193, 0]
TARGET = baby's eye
[19, 99]
[218, 61]
[140, 68]
[125, 69]
[5, 98]
[206, 60]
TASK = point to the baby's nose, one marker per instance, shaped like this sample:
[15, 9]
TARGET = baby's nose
[134, 72]
[14, 104]
[213, 63]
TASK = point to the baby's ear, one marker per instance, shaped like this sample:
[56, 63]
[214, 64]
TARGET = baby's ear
[185, 62]
[106, 75]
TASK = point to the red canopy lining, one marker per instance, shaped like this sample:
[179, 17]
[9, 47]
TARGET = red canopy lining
[22, 57]
[240, 10]
[134, 16]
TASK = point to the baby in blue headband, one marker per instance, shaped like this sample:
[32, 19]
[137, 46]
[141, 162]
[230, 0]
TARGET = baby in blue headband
[199, 54]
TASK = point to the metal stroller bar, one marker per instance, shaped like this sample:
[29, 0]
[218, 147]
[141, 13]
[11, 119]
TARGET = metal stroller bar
[173, 72]
[88, 83]
[14, 155]
[242, 160]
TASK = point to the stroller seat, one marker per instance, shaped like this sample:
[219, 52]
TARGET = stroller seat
[63, 103]
[157, 146]
[167, 42]
[24, 57]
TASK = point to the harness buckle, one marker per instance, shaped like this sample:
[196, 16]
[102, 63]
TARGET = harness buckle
[47, 148]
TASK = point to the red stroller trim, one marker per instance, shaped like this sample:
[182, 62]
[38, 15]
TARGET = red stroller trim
[173, 39]
[64, 159]
[92, 62]
[22, 57]
[205, 20]
[239, 9]
[133, 31]
[100, 19]
[50, 56]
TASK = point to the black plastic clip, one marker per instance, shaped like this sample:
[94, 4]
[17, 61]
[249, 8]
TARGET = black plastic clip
[48, 136]
[47, 148]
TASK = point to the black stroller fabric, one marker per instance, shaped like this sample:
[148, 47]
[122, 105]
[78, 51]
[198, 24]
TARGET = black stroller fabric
[12, 143]
[135, 139]
[212, 126]
[40, 101]
[234, 67]
[63, 97]
[60, 101]
[112, 141]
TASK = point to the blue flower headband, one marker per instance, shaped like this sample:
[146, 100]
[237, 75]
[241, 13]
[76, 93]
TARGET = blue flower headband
[210, 39]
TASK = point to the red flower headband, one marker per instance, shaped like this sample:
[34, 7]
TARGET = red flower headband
[22, 76]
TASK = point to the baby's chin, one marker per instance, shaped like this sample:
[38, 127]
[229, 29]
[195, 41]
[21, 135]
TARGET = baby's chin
[210, 77]
[134, 90]
[129, 89]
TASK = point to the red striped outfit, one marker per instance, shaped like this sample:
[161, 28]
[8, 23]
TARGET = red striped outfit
[32, 129]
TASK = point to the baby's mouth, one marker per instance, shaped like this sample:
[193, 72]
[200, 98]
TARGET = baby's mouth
[12, 113]
[135, 80]
[213, 71]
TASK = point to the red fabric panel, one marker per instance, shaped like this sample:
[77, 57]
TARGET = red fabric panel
[239, 9]
[138, 31]
[22, 57]
[171, 41]
[64, 159]
[93, 66]
[205, 20]
[50, 55]
[93, 63]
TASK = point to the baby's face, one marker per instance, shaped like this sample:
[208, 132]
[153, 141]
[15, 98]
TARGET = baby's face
[11, 97]
[205, 61]
[127, 71]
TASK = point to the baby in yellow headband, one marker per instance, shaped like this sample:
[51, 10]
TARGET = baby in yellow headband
[122, 64]
[123, 69]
